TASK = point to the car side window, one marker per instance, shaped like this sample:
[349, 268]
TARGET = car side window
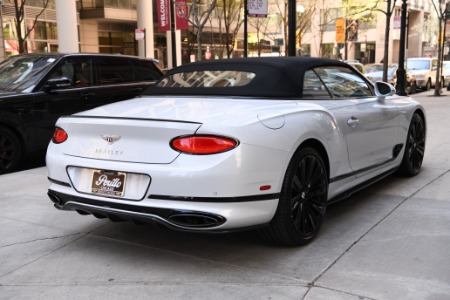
[343, 82]
[79, 70]
[313, 88]
[114, 70]
[146, 70]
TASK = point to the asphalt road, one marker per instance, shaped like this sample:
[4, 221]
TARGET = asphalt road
[390, 241]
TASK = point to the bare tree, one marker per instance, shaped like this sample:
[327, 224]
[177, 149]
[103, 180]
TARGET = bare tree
[283, 13]
[199, 14]
[268, 27]
[19, 20]
[229, 13]
[262, 27]
[387, 11]
[305, 21]
[327, 18]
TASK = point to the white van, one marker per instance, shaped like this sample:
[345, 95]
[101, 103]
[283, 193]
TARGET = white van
[424, 70]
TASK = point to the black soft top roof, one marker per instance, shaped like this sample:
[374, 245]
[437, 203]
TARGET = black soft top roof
[275, 76]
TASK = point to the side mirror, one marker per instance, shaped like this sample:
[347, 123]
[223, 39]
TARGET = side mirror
[57, 83]
[383, 89]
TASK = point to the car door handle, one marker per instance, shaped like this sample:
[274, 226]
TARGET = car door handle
[352, 122]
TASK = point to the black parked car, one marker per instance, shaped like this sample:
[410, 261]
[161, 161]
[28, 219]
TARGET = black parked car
[36, 89]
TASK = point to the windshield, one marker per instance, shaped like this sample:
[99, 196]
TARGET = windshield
[22, 73]
[379, 73]
[418, 64]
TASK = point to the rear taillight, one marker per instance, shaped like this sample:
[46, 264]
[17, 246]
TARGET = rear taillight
[203, 144]
[59, 136]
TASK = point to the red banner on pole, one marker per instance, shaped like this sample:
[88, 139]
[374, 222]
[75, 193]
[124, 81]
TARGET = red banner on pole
[164, 15]
[181, 13]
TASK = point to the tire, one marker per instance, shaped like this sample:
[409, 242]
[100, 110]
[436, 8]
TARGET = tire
[303, 201]
[413, 87]
[428, 85]
[10, 151]
[414, 148]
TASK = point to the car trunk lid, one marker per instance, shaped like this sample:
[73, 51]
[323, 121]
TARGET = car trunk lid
[123, 139]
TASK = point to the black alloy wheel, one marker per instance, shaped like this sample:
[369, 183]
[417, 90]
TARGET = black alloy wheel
[10, 151]
[415, 147]
[303, 201]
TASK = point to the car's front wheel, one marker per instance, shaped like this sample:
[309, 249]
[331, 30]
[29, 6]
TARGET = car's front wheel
[10, 151]
[303, 200]
[414, 147]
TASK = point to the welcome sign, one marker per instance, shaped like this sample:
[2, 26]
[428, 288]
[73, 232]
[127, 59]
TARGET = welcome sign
[164, 15]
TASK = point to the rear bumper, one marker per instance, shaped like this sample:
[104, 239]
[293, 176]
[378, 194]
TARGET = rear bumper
[200, 217]
[220, 192]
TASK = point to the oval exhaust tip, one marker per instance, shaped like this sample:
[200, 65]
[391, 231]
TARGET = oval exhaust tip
[55, 199]
[196, 220]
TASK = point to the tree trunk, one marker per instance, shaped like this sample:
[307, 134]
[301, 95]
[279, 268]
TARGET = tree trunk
[19, 7]
[199, 44]
[20, 40]
[437, 87]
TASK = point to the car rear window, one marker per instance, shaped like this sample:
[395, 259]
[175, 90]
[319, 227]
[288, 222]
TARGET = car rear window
[208, 79]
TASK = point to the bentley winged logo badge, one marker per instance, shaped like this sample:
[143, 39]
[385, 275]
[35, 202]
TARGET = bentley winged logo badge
[110, 138]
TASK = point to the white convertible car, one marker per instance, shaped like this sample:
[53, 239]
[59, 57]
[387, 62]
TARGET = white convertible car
[223, 145]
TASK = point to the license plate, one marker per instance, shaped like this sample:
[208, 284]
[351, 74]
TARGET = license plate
[109, 183]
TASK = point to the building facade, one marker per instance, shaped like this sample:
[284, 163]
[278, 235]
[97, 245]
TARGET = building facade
[109, 26]
[367, 46]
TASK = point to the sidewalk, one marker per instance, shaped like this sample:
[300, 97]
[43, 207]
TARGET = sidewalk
[390, 241]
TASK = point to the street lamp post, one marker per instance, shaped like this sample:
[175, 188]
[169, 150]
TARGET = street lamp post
[293, 10]
[401, 72]
[291, 26]
[245, 28]
[172, 33]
